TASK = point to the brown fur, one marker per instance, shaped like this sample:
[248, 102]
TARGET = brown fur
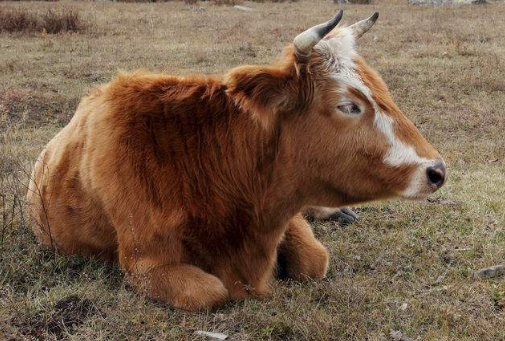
[194, 184]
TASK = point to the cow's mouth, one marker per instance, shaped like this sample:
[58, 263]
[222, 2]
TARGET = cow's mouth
[427, 179]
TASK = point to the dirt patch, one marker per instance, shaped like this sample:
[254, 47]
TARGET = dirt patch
[68, 313]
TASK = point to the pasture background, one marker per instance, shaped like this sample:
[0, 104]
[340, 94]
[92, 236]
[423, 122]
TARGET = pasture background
[405, 266]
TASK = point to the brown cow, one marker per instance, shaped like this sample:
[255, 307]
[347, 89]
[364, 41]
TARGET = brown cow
[195, 184]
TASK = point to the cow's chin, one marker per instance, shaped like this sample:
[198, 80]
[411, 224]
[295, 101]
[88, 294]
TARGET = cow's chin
[418, 189]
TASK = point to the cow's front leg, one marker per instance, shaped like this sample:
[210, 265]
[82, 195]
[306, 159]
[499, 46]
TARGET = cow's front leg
[300, 255]
[182, 286]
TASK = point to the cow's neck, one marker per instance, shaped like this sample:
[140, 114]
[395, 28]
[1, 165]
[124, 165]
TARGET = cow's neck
[274, 178]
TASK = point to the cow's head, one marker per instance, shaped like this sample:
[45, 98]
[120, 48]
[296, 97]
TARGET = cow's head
[348, 138]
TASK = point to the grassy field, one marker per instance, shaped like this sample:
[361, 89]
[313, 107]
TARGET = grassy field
[404, 266]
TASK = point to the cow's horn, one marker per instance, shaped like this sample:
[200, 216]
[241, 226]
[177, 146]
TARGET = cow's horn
[305, 41]
[363, 26]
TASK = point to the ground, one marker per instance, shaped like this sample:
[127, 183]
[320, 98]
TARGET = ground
[405, 266]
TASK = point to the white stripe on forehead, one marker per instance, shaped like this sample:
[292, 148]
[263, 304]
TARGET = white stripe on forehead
[339, 53]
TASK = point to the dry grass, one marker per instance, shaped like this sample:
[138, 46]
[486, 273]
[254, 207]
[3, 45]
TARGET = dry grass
[404, 266]
[49, 21]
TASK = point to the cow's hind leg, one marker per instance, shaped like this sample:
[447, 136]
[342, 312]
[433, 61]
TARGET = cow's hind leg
[64, 215]
[300, 254]
[182, 286]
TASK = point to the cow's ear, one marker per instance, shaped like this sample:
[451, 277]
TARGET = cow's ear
[263, 91]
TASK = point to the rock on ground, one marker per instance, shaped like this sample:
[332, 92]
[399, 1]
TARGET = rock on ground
[243, 8]
[211, 335]
[493, 271]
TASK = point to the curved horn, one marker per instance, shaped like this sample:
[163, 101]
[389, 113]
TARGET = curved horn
[361, 27]
[305, 41]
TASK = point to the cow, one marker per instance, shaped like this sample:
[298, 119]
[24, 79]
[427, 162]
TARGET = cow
[195, 184]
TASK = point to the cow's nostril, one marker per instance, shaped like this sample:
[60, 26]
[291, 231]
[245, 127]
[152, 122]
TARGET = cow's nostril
[436, 175]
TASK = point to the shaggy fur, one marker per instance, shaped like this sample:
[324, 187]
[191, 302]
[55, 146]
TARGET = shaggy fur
[195, 184]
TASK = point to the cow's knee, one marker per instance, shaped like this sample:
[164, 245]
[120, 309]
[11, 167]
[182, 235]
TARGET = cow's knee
[301, 256]
[202, 291]
[310, 262]
[181, 286]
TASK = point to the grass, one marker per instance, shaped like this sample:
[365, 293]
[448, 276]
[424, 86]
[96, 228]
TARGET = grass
[405, 266]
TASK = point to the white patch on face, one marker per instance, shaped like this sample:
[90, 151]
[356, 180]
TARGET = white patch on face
[399, 153]
[340, 52]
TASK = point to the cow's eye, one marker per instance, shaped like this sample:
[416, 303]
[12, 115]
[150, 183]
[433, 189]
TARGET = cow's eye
[349, 108]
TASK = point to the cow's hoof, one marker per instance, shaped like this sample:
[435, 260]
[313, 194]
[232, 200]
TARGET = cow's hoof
[345, 216]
